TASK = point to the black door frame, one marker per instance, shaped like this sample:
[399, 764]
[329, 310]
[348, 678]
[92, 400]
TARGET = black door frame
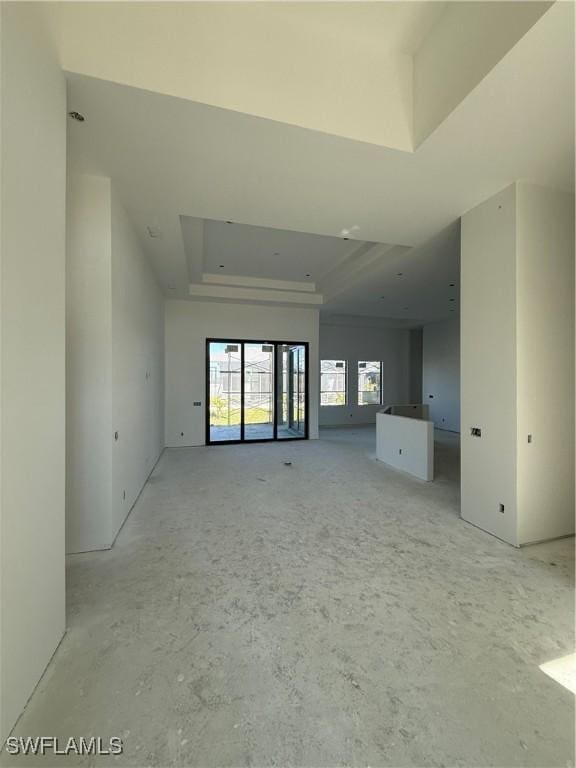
[277, 345]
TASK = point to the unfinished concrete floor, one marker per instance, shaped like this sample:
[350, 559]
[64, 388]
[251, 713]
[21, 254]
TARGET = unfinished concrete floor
[329, 613]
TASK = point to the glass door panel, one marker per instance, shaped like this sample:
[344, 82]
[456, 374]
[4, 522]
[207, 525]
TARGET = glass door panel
[258, 391]
[225, 365]
[301, 428]
[291, 392]
[282, 390]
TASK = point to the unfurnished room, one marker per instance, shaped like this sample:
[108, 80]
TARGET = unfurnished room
[287, 363]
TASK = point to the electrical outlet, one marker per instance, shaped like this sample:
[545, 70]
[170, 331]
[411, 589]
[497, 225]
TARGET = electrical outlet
[502, 508]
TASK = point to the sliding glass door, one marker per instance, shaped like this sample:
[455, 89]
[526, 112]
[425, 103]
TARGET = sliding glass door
[257, 390]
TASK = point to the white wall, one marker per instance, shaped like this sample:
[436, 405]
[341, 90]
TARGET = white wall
[441, 373]
[517, 347]
[488, 371]
[32, 247]
[137, 366]
[88, 363]
[406, 443]
[356, 342]
[545, 358]
[190, 323]
[115, 374]
[416, 363]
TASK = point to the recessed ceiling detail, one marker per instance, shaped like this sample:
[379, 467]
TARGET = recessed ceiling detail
[189, 164]
[275, 254]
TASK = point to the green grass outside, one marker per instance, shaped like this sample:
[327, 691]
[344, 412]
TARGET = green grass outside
[219, 415]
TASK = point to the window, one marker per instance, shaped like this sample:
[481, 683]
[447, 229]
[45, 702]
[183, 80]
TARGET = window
[333, 382]
[369, 382]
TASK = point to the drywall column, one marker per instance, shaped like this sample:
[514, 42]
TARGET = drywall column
[32, 280]
[545, 362]
[517, 364]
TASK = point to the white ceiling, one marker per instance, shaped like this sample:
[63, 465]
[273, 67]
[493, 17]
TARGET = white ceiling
[417, 286]
[171, 158]
[395, 25]
[387, 73]
[344, 68]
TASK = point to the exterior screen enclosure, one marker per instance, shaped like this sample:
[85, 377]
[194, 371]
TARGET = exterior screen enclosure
[257, 390]
[369, 382]
[333, 382]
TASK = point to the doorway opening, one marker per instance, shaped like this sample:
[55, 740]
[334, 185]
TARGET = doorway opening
[256, 391]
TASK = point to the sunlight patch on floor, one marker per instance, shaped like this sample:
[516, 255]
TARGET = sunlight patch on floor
[563, 670]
